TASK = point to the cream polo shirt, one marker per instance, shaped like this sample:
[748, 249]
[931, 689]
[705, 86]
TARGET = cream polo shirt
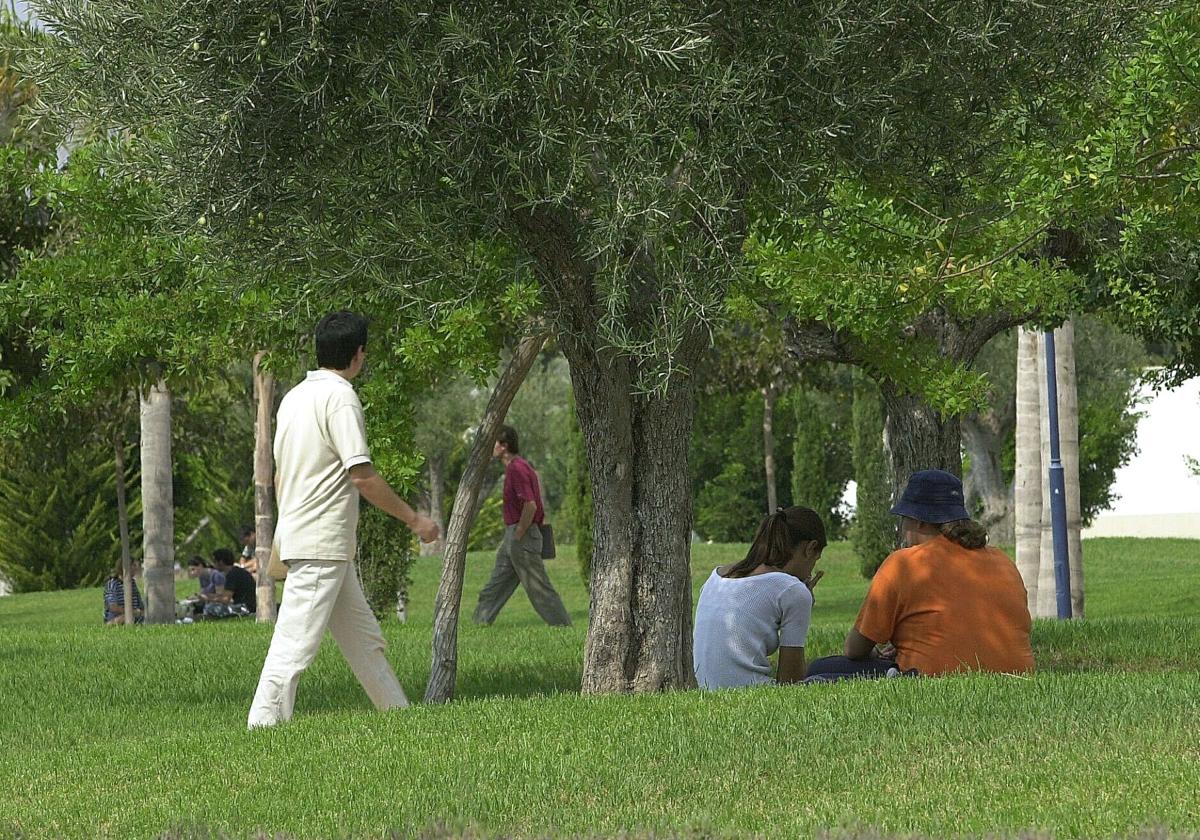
[319, 437]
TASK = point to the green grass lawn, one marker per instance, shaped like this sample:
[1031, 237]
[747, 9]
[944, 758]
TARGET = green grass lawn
[116, 732]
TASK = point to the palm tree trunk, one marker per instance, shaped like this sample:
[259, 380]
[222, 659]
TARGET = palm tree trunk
[158, 507]
[1047, 606]
[1028, 481]
[123, 524]
[1068, 413]
[444, 670]
[264, 490]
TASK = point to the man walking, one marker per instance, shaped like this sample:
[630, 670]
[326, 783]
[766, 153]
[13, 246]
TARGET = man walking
[322, 467]
[519, 558]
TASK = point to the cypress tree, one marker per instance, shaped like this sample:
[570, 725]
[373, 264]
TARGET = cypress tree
[819, 472]
[385, 551]
[874, 531]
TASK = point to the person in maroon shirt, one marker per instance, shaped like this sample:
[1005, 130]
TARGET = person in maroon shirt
[519, 558]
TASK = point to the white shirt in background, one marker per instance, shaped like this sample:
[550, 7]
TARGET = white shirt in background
[742, 621]
[320, 435]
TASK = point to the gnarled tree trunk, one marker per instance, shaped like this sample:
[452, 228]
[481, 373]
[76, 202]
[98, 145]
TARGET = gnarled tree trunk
[264, 490]
[444, 670]
[1029, 477]
[640, 635]
[984, 483]
[640, 631]
[158, 506]
[918, 437]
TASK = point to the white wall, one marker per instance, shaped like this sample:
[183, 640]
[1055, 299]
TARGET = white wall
[1156, 494]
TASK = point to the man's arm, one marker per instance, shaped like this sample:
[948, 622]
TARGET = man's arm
[219, 595]
[528, 511]
[377, 491]
[858, 646]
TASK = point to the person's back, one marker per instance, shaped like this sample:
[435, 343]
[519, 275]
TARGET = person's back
[240, 585]
[114, 596]
[762, 604]
[740, 622]
[947, 608]
[318, 504]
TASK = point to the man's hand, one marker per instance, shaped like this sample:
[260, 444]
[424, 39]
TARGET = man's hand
[425, 528]
[378, 492]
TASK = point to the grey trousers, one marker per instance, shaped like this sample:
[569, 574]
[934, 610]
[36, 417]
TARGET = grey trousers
[520, 562]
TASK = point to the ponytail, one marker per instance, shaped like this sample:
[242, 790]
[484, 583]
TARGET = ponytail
[966, 532]
[777, 538]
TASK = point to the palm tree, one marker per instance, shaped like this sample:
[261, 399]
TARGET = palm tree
[158, 507]
[264, 491]
[1068, 418]
[1027, 483]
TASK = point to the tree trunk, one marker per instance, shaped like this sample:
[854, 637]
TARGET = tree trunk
[444, 669]
[640, 632]
[1029, 478]
[437, 503]
[158, 508]
[918, 437]
[123, 524]
[769, 397]
[1068, 413]
[984, 484]
[264, 490]
[640, 629]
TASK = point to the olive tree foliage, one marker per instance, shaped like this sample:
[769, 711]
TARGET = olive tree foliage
[618, 151]
[1135, 181]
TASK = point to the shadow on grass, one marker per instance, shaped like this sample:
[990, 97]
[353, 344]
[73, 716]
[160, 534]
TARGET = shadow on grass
[1134, 645]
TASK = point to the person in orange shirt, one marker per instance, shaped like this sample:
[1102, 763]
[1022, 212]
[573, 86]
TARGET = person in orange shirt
[946, 603]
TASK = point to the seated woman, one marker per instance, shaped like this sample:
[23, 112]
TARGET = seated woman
[947, 602]
[114, 595]
[749, 609]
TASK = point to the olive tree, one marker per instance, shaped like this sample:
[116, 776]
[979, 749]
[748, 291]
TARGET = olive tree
[616, 153]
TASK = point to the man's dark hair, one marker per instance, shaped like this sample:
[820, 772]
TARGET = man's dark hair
[197, 560]
[508, 436]
[339, 335]
[223, 556]
[247, 530]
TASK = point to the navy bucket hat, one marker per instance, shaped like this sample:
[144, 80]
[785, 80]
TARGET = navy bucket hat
[933, 496]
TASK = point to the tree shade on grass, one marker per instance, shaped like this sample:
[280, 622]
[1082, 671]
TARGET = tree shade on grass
[1104, 726]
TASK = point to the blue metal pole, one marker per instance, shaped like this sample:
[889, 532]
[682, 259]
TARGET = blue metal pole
[1058, 488]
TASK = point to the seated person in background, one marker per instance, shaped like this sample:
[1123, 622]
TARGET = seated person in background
[947, 602]
[748, 609]
[247, 559]
[211, 581]
[239, 584]
[114, 595]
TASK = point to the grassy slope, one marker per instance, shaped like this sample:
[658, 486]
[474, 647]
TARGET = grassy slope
[1100, 742]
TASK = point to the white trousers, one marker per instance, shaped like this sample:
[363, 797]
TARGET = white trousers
[319, 594]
